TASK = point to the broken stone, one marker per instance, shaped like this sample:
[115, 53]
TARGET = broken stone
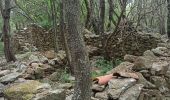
[50, 54]
[142, 63]
[132, 93]
[101, 95]
[98, 88]
[22, 91]
[130, 58]
[159, 68]
[149, 54]
[9, 78]
[4, 72]
[160, 83]
[58, 94]
[118, 86]
[125, 66]
[160, 51]
[143, 81]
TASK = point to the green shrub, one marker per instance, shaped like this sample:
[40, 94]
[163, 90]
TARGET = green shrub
[105, 66]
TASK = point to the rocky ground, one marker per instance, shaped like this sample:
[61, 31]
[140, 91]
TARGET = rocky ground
[40, 76]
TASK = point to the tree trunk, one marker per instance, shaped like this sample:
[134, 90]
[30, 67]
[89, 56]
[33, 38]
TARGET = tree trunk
[63, 35]
[54, 23]
[78, 53]
[168, 20]
[102, 16]
[111, 11]
[6, 30]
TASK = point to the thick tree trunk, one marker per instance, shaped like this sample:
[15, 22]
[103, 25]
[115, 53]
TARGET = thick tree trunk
[6, 30]
[168, 20]
[79, 56]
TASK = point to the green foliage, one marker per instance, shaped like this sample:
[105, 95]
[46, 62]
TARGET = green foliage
[65, 77]
[105, 66]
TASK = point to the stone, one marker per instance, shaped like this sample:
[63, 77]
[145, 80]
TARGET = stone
[98, 88]
[4, 72]
[2, 87]
[159, 68]
[125, 66]
[132, 93]
[33, 57]
[22, 91]
[160, 83]
[58, 94]
[21, 67]
[66, 86]
[9, 77]
[117, 86]
[160, 51]
[130, 58]
[143, 63]
[101, 95]
[149, 53]
[69, 97]
[143, 81]
[50, 54]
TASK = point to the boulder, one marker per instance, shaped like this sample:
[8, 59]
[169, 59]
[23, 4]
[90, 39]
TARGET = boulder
[125, 66]
[98, 88]
[2, 87]
[4, 72]
[159, 68]
[9, 78]
[160, 83]
[22, 91]
[101, 95]
[160, 51]
[118, 86]
[143, 63]
[50, 54]
[51, 95]
[132, 93]
[26, 90]
[130, 58]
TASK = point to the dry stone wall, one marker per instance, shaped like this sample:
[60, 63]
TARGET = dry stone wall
[134, 43]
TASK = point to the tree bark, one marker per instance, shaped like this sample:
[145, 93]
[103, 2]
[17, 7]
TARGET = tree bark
[9, 55]
[54, 23]
[168, 20]
[78, 53]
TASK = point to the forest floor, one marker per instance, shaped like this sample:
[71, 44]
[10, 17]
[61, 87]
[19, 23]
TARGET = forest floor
[37, 76]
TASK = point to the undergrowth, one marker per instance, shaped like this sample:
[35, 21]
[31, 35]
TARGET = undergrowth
[104, 66]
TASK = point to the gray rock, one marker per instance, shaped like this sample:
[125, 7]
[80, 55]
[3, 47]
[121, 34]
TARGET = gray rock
[2, 87]
[33, 58]
[9, 78]
[4, 72]
[66, 86]
[102, 95]
[132, 93]
[118, 86]
[51, 95]
[159, 68]
[160, 51]
[98, 88]
[149, 53]
[122, 67]
[160, 83]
